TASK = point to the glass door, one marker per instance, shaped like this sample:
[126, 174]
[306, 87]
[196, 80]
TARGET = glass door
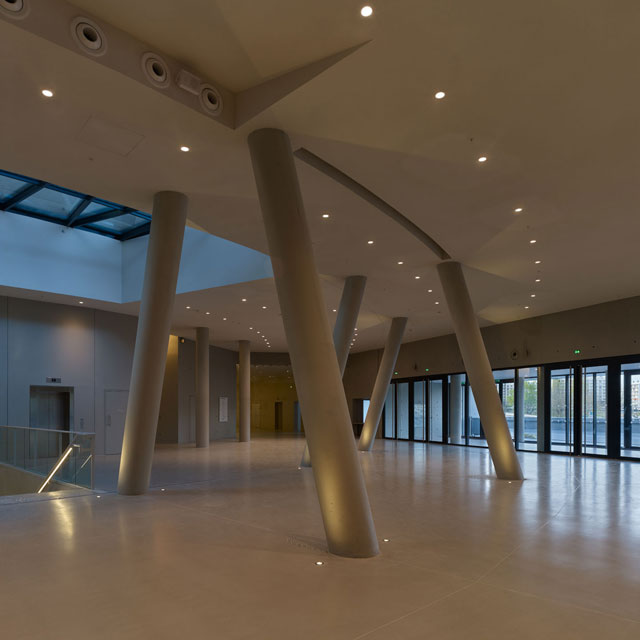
[630, 419]
[561, 405]
[436, 410]
[390, 413]
[594, 410]
[402, 410]
[505, 384]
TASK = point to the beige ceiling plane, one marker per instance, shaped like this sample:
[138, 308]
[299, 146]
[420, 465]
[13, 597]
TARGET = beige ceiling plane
[68, 26]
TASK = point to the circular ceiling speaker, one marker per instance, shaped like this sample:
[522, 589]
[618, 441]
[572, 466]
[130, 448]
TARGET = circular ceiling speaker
[211, 100]
[88, 36]
[156, 70]
[15, 8]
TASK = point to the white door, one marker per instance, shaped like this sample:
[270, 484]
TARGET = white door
[115, 411]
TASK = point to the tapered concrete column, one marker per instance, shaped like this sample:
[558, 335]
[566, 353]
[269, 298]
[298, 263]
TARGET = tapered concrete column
[348, 311]
[202, 387]
[381, 386]
[150, 352]
[479, 371]
[456, 411]
[338, 477]
[244, 391]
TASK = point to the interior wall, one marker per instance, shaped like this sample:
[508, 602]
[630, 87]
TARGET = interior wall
[222, 383]
[169, 405]
[265, 392]
[598, 331]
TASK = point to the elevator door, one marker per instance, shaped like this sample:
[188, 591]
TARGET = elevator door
[115, 411]
[49, 408]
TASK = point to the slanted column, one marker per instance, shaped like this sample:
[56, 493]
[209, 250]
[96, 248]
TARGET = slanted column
[383, 379]
[244, 391]
[202, 387]
[456, 414]
[150, 352]
[478, 368]
[338, 477]
[348, 311]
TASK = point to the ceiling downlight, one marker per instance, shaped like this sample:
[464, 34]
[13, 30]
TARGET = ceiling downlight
[88, 36]
[156, 70]
[16, 9]
[211, 100]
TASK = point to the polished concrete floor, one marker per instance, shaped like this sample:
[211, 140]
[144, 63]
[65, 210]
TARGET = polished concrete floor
[225, 546]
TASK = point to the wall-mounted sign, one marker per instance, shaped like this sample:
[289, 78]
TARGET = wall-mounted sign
[223, 409]
[56, 380]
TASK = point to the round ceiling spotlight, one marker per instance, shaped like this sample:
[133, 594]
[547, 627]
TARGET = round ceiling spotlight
[211, 100]
[15, 8]
[88, 36]
[440, 95]
[482, 159]
[156, 70]
[366, 11]
[47, 93]
[185, 149]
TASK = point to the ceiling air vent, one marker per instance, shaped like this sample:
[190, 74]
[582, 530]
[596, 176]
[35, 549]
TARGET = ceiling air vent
[211, 100]
[156, 70]
[14, 8]
[88, 36]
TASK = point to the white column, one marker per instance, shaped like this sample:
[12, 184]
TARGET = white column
[338, 477]
[383, 379]
[478, 368]
[244, 391]
[202, 387]
[348, 311]
[150, 353]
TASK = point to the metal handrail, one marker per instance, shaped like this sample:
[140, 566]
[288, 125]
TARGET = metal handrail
[10, 426]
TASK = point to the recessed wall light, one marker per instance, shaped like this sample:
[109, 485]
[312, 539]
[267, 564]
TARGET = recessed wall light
[369, 241]
[47, 93]
[482, 159]
[184, 149]
[366, 11]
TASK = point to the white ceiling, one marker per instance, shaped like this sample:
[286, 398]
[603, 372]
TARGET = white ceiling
[547, 91]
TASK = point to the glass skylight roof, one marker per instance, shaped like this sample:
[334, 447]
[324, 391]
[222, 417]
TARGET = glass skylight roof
[38, 199]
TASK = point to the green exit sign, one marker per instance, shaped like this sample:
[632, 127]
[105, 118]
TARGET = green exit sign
[576, 351]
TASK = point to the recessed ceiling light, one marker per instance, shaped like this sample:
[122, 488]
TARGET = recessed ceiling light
[437, 303]
[187, 307]
[417, 277]
[366, 11]
[80, 301]
[385, 540]
[250, 328]
[440, 95]
[224, 318]
[264, 307]
[482, 159]
[258, 332]
[335, 311]
[244, 299]
[400, 262]
[532, 241]
[184, 149]
[533, 295]
[325, 215]
[369, 241]
[537, 279]
[538, 261]
[429, 290]
[518, 210]
[207, 313]
[47, 93]
[526, 307]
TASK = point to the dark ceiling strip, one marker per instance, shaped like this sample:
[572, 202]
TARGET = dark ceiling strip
[136, 232]
[21, 195]
[99, 217]
[342, 178]
[78, 211]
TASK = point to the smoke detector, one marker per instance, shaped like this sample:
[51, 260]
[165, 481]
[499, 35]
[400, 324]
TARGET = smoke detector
[88, 36]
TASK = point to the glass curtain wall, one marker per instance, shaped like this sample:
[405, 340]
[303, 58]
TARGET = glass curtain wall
[402, 411]
[436, 410]
[474, 428]
[505, 384]
[457, 422]
[630, 410]
[561, 404]
[527, 409]
[390, 413]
